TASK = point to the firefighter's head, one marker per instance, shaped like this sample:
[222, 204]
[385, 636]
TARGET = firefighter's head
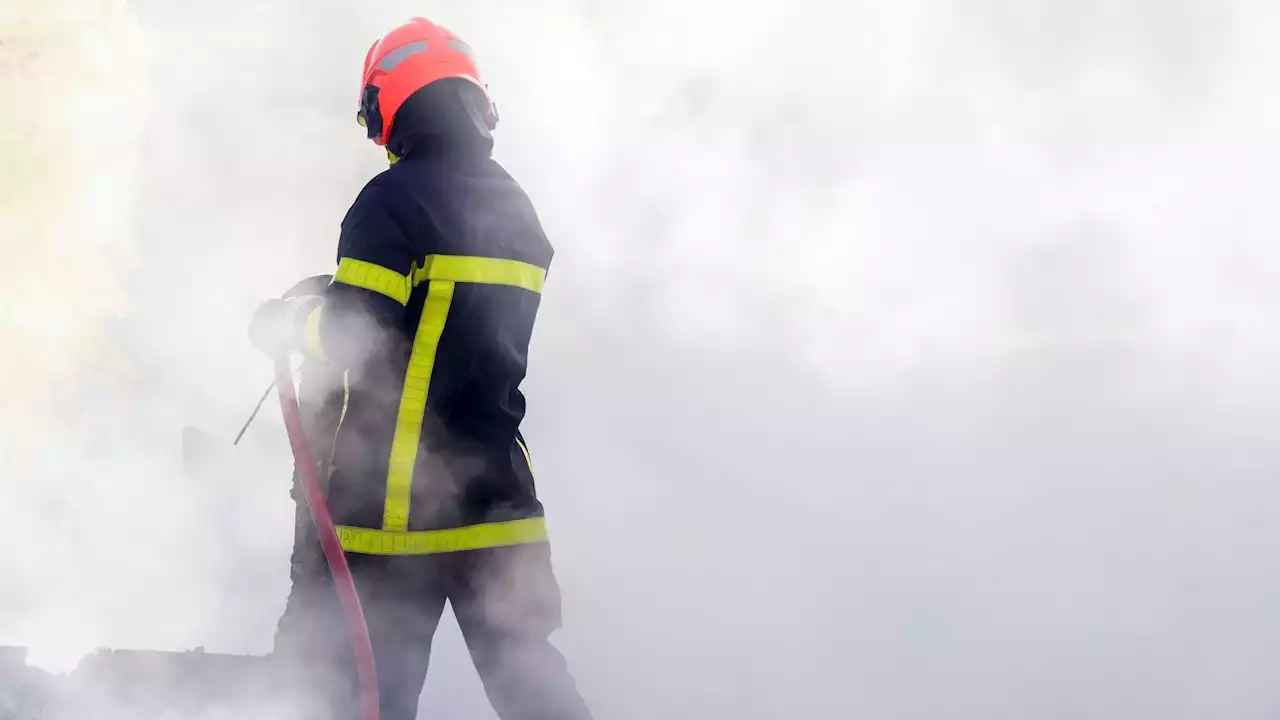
[421, 81]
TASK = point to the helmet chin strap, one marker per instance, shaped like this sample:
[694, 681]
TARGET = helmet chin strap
[492, 121]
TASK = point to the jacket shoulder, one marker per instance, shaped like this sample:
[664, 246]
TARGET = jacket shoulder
[381, 189]
[376, 218]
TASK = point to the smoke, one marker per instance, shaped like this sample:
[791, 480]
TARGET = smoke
[75, 98]
[899, 360]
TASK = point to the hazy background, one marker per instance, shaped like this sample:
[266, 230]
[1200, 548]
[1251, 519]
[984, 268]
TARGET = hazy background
[909, 359]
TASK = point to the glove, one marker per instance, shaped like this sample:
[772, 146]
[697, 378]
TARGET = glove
[268, 330]
[277, 325]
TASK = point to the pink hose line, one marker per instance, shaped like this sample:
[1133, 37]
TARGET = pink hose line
[366, 673]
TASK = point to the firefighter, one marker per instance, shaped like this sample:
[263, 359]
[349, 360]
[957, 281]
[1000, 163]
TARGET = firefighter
[426, 326]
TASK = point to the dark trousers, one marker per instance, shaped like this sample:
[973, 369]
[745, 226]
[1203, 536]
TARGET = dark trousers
[507, 603]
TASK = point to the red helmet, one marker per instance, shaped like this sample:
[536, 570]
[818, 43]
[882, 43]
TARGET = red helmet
[405, 60]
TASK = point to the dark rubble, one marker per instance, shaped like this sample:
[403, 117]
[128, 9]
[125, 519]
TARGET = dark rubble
[134, 684]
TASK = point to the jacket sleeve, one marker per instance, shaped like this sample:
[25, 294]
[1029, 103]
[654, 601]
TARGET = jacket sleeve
[364, 306]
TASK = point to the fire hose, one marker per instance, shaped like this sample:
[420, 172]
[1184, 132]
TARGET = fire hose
[344, 582]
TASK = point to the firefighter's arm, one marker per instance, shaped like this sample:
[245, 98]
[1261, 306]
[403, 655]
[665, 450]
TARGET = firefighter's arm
[361, 312]
[364, 306]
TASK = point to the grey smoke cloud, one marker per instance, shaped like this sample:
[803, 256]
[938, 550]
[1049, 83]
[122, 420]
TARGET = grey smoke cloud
[905, 360]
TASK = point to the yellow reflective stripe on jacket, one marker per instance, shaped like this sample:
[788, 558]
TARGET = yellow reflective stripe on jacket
[311, 333]
[346, 400]
[429, 542]
[413, 405]
[371, 276]
[456, 268]
[527, 459]
[442, 272]
[489, 271]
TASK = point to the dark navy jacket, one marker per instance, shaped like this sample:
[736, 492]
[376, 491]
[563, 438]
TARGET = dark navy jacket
[440, 265]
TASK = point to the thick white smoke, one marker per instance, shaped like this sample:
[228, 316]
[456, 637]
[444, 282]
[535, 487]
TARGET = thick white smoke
[75, 94]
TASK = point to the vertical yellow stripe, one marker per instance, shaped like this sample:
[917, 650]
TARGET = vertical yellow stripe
[528, 460]
[413, 405]
[311, 334]
[346, 396]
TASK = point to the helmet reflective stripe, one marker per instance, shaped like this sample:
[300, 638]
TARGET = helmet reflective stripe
[462, 48]
[393, 59]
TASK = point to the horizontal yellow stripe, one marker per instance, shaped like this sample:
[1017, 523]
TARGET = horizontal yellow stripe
[488, 271]
[372, 276]
[457, 268]
[368, 541]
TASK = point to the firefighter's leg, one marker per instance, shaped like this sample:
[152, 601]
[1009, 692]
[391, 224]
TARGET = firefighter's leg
[312, 653]
[507, 603]
[402, 599]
